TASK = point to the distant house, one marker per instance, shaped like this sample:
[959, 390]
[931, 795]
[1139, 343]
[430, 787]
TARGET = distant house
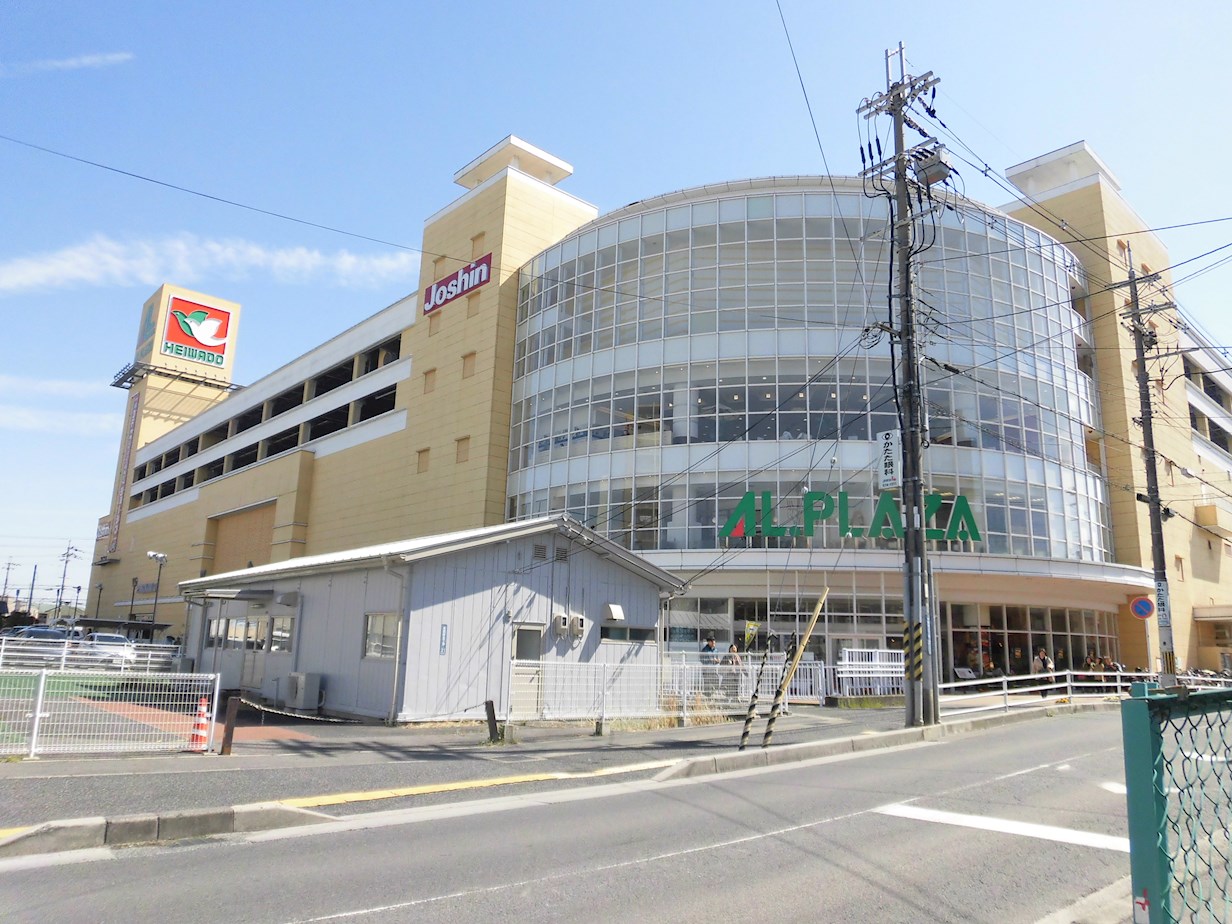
[426, 628]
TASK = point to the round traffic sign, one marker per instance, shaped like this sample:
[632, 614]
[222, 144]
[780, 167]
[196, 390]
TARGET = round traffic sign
[1142, 607]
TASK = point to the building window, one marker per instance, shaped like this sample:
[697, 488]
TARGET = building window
[434, 324]
[468, 365]
[438, 267]
[477, 245]
[421, 460]
[429, 379]
[380, 635]
[1178, 565]
[282, 630]
[378, 403]
[472, 304]
[462, 449]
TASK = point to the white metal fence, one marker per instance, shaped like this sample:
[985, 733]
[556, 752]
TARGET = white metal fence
[868, 672]
[40, 654]
[92, 712]
[681, 687]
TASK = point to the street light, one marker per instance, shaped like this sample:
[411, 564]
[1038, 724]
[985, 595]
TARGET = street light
[162, 560]
[99, 601]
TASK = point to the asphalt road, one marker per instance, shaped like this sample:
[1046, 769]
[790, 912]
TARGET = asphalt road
[1002, 826]
[349, 758]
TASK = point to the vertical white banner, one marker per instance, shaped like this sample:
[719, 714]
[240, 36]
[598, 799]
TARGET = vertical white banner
[890, 459]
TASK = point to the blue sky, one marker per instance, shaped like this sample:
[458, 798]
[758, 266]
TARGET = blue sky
[356, 116]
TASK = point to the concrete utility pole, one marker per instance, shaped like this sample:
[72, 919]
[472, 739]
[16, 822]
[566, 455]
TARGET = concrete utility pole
[1163, 607]
[920, 635]
[68, 555]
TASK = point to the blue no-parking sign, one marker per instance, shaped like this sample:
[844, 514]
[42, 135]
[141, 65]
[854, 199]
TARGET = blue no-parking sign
[1142, 607]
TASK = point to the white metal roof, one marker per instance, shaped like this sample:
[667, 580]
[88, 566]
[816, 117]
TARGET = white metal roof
[409, 550]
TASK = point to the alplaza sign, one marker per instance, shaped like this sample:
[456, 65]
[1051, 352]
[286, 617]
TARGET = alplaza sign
[196, 332]
[751, 518]
[464, 280]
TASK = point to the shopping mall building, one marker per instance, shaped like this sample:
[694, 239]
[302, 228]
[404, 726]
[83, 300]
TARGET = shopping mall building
[701, 377]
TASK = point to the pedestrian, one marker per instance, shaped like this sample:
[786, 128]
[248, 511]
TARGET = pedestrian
[730, 669]
[1042, 664]
[710, 664]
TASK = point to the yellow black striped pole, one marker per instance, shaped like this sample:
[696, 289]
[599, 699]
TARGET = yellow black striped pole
[790, 670]
[913, 649]
[749, 716]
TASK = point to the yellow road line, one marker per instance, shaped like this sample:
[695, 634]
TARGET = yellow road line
[10, 832]
[342, 798]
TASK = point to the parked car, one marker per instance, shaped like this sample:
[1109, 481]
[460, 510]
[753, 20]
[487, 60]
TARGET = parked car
[119, 647]
[41, 633]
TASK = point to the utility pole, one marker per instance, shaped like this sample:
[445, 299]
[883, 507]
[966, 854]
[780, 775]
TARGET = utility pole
[30, 599]
[7, 568]
[1163, 606]
[920, 634]
[68, 555]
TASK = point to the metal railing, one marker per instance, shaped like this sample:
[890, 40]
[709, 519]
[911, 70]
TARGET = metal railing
[681, 688]
[1178, 778]
[39, 654]
[869, 672]
[92, 712]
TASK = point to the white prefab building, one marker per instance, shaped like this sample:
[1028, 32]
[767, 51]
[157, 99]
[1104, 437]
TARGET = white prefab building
[427, 628]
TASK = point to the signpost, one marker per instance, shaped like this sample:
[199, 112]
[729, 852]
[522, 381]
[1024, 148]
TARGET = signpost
[1142, 607]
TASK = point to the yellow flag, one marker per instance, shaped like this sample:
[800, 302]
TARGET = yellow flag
[750, 633]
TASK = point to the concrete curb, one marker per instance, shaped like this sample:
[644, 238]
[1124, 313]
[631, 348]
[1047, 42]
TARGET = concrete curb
[811, 750]
[130, 830]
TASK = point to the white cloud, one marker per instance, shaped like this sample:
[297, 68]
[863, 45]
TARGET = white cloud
[65, 423]
[186, 258]
[81, 62]
[67, 388]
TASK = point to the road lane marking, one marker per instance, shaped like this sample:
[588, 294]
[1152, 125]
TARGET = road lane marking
[1115, 788]
[1008, 826]
[343, 798]
[9, 832]
[580, 873]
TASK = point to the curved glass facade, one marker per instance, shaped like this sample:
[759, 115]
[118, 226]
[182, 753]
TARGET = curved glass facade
[685, 350]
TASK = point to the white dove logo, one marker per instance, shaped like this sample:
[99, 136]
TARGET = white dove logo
[201, 327]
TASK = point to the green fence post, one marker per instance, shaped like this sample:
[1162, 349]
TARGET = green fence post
[1150, 867]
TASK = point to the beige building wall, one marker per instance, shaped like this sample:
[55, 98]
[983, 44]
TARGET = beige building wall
[444, 469]
[1074, 187]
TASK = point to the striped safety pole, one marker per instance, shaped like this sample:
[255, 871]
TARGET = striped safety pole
[790, 670]
[748, 717]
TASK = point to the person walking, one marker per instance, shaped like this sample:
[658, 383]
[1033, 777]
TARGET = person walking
[1042, 664]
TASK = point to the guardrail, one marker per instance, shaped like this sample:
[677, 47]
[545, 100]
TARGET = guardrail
[95, 712]
[1179, 791]
[39, 654]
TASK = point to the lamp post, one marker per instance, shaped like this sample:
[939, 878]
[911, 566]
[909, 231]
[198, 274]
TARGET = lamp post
[162, 560]
[99, 601]
[132, 601]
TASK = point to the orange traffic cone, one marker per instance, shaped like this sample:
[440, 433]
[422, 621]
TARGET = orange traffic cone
[201, 727]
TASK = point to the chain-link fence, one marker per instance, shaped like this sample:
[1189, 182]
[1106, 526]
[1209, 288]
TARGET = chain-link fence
[1178, 751]
[88, 712]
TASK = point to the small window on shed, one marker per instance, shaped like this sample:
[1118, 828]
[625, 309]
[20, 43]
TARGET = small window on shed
[380, 635]
[540, 552]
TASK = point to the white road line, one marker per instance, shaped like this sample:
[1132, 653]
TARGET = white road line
[1007, 826]
[1116, 788]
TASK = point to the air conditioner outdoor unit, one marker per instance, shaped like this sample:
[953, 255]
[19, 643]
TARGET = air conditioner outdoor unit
[577, 626]
[303, 690]
[560, 624]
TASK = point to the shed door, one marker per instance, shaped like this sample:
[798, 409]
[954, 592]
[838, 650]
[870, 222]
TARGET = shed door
[253, 673]
[526, 692]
